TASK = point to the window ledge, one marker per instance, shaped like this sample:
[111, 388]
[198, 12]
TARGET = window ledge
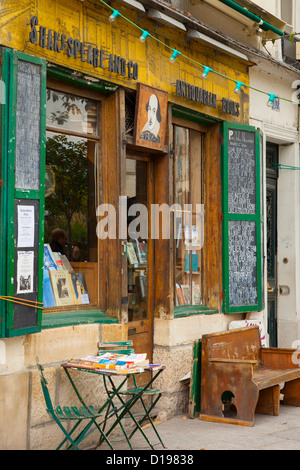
[56, 320]
[188, 310]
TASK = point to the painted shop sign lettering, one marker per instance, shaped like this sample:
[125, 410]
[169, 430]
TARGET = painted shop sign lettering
[56, 42]
[194, 93]
[230, 107]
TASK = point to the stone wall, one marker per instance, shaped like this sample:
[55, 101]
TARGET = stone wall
[25, 425]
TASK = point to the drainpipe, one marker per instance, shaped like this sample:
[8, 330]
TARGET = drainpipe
[262, 23]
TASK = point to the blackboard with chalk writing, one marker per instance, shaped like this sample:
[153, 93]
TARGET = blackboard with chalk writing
[28, 128]
[241, 226]
[242, 263]
[241, 172]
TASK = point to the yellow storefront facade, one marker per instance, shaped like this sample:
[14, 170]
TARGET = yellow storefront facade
[75, 90]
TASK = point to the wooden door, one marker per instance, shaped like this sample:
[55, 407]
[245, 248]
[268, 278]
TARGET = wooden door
[139, 269]
[271, 208]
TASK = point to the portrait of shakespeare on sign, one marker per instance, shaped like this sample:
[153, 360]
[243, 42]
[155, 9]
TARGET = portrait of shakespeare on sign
[150, 118]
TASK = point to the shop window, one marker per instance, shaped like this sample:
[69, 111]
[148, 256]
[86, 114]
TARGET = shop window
[50, 143]
[71, 201]
[189, 216]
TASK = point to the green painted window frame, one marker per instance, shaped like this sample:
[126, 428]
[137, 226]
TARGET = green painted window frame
[4, 74]
[183, 311]
[257, 218]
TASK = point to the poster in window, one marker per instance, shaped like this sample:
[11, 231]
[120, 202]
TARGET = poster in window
[62, 288]
[150, 117]
[25, 272]
[25, 226]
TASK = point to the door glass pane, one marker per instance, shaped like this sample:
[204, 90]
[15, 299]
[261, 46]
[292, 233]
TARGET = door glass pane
[71, 112]
[137, 244]
[68, 174]
[189, 216]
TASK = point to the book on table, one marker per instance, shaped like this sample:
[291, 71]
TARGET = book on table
[82, 364]
[112, 362]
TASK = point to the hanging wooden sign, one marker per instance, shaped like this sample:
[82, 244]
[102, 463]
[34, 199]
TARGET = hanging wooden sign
[150, 117]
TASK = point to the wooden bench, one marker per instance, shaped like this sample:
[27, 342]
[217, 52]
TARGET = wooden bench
[239, 377]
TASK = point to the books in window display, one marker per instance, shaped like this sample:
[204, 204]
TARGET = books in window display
[66, 263]
[62, 288]
[141, 251]
[183, 294]
[48, 296]
[186, 294]
[131, 254]
[132, 300]
[80, 288]
[179, 295]
[58, 261]
[196, 295]
[49, 261]
[54, 261]
[194, 258]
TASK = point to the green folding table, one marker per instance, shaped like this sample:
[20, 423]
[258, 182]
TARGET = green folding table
[115, 408]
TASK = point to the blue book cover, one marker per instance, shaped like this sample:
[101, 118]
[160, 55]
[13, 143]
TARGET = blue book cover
[49, 262]
[80, 288]
[48, 297]
[194, 262]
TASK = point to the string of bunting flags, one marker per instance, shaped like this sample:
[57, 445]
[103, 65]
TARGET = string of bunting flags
[206, 70]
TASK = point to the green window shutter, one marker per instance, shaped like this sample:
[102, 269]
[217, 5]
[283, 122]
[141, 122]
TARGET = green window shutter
[242, 219]
[26, 113]
[3, 184]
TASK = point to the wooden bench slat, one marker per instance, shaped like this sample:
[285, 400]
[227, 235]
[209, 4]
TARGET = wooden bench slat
[264, 377]
[237, 361]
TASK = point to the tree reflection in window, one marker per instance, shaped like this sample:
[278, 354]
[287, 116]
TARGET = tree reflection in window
[67, 206]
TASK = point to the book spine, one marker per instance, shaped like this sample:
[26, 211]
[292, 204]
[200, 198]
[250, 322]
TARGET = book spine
[136, 370]
[100, 365]
[77, 365]
[80, 366]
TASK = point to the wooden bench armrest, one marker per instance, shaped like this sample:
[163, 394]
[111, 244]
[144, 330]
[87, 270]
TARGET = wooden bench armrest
[278, 358]
[234, 361]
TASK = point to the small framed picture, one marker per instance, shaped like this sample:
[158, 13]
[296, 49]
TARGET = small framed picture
[150, 117]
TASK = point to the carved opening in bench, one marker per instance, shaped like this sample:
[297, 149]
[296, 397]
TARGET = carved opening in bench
[228, 408]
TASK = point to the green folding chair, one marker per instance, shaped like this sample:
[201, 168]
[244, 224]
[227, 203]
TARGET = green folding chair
[126, 347]
[65, 414]
[119, 347]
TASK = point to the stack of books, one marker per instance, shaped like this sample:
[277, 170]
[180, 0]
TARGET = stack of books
[115, 363]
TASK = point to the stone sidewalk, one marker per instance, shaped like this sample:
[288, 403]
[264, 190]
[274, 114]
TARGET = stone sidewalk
[182, 433]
